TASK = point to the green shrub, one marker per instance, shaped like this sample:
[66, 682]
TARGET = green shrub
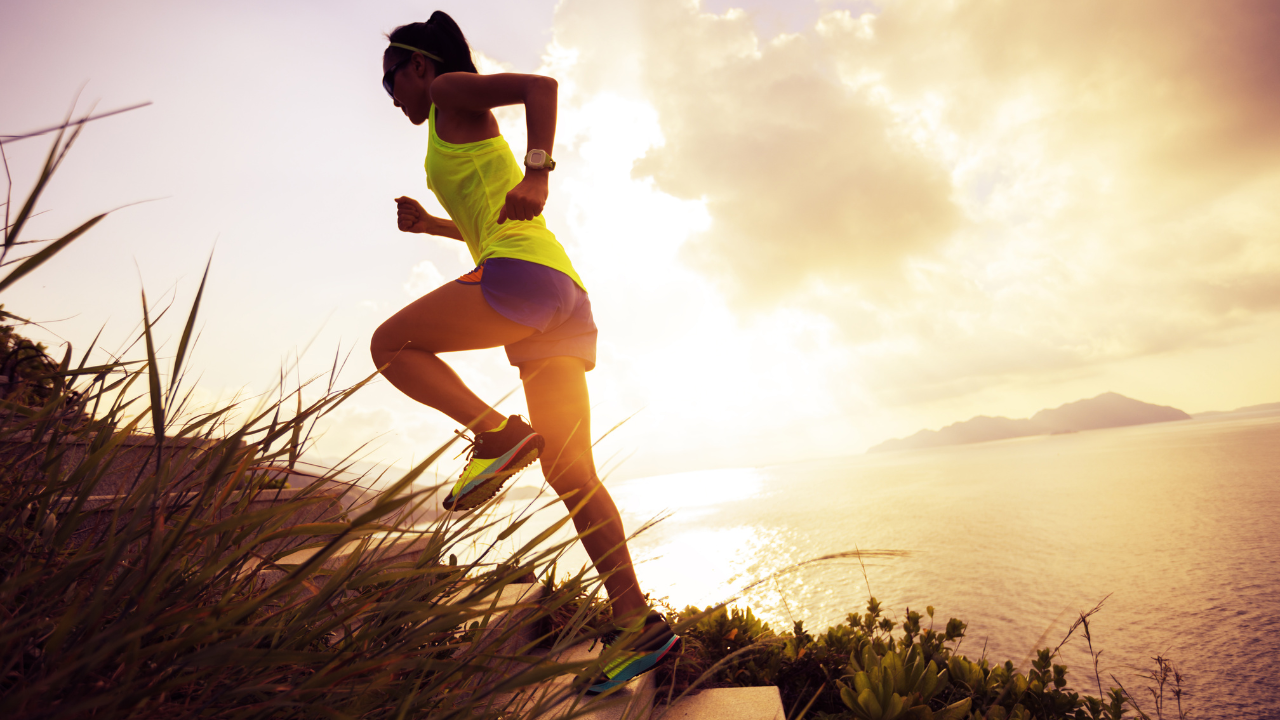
[863, 669]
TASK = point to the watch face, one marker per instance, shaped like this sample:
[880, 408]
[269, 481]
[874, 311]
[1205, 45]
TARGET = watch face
[536, 157]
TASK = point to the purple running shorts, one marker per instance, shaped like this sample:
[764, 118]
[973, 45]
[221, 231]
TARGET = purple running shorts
[544, 299]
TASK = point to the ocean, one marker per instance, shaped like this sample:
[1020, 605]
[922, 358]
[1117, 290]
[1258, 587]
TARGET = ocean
[1174, 524]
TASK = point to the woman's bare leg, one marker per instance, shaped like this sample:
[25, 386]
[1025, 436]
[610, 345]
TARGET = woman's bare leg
[556, 391]
[456, 317]
[450, 318]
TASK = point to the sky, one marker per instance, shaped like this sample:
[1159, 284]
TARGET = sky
[806, 227]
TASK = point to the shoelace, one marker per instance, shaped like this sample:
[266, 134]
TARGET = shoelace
[606, 640]
[473, 443]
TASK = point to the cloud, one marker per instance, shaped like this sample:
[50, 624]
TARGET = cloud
[971, 192]
[806, 177]
[1115, 164]
[423, 278]
[1188, 94]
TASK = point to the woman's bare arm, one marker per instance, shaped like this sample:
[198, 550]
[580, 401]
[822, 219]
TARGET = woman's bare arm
[464, 101]
[444, 227]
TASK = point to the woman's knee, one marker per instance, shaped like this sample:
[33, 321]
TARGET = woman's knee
[385, 344]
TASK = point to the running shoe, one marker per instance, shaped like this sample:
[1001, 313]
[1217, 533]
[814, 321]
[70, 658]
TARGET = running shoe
[634, 653]
[496, 455]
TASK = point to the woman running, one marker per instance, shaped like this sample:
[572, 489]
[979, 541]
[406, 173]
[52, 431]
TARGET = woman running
[523, 295]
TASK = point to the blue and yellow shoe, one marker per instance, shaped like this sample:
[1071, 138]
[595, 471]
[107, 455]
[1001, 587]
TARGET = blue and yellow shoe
[496, 455]
[630, 654]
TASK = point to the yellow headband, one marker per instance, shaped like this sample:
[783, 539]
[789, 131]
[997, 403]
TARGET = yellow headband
[437, 58]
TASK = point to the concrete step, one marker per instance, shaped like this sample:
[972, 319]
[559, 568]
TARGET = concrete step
[511, 609]
[559, 698]
[505, 640]
[383, 548]
[639, 700]
[747, 703]
[305, 506]
[358, 492]
[380, 550]
[134, 458]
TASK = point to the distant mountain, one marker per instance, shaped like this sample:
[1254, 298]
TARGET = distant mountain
[1106, 410]
[1263, 408]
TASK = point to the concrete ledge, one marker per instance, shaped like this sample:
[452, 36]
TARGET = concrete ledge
[357, 491]
[504, 642]
[512, 606]
[748, 703]
[264, 497]
[632, 701]
[381, 552]
[303, 506]
[133, 459]
[380, 548]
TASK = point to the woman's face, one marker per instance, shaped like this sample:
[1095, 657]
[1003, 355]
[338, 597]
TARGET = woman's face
[412, 87]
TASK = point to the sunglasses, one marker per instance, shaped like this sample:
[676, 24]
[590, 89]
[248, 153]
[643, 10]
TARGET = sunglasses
[389, 77]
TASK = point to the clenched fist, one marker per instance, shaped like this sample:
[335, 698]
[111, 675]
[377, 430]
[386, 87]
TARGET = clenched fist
[410, 217]
[526, 200]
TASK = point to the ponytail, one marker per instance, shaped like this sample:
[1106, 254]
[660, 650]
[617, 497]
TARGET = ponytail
[439, 36]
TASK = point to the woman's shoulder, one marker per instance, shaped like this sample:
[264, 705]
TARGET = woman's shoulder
[474, 92]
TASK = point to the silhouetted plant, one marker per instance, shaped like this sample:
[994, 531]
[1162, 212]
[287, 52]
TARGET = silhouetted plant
[872, 668]
[190, 588]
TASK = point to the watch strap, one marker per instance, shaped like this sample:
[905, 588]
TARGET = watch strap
[547, 162]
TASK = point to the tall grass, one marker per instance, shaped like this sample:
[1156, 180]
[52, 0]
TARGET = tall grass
[166, 575]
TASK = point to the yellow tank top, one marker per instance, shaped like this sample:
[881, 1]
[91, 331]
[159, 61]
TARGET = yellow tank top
[471, 181]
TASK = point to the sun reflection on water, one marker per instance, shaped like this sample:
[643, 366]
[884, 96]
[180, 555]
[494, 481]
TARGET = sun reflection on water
[688, 556]
[702, 566]
[681, 493]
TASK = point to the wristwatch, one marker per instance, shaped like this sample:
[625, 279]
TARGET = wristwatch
[539, 160]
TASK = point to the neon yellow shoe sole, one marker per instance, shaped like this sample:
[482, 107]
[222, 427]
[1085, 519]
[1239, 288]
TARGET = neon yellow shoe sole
[484, 477]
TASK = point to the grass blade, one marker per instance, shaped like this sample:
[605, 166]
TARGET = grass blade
[186, 331]
[5, 139]
[49, 251]
[153, 380]
[11, 232]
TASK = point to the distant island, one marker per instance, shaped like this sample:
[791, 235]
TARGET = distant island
[1105, 411]
[1263, 408]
